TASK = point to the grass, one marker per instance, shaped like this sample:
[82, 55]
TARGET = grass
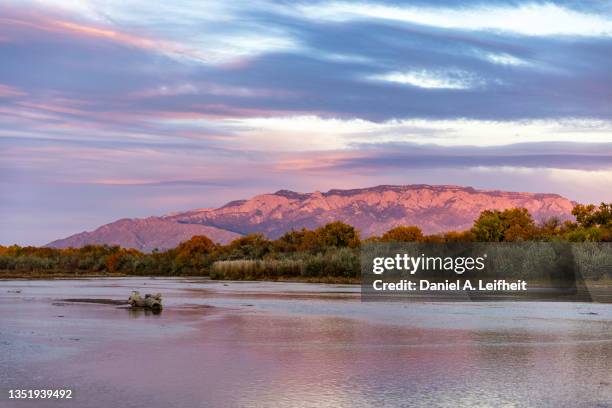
[341, 266]
[12, 275]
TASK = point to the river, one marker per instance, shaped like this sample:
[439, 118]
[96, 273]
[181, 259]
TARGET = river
[261, 344]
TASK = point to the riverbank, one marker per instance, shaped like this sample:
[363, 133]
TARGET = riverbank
[7, 275]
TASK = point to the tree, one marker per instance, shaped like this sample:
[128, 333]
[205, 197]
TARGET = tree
[603, 216]
[549, 228]
[459, 236]
[515, 224]
[196, 245]
[292, 241]
[337, 234]
[252, 246]
[591, 216]
[584, 215]
[112, 262]
[403, 234]
[192, 256]
[592, 224]
[489, 227]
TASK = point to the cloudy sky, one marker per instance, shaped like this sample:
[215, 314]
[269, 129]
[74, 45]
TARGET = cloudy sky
[112, 109]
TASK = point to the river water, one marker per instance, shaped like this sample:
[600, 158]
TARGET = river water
[259, 344]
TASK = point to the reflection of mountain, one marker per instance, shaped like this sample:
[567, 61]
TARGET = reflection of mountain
[372, 210]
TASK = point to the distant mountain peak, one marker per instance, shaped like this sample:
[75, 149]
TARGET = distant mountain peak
[291, 194]
[373, 210]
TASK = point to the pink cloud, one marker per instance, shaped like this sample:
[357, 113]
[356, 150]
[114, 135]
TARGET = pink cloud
[29, 21]
[7, 91]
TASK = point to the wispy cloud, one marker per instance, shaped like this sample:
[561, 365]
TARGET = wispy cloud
[429, 80]
[316, 133]
[9, 91]
[528, 19]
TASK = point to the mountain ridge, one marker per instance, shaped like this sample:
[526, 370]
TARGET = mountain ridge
[373, 210]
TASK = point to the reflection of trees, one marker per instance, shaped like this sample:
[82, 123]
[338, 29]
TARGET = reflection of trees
[137, 312]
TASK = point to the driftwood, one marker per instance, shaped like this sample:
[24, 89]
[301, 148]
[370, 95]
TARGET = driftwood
[153, 302]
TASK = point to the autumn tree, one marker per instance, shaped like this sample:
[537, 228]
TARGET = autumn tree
[296, 240]
[198, 244]
[403, 234]
[337, 234]
[192, 256]
[112, 262]
[592, 224]
[252, 246]
[591, 216]
[515, 224]
[458, 236]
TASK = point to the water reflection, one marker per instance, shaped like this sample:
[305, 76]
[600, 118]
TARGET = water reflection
[136, 312]
[301, 350]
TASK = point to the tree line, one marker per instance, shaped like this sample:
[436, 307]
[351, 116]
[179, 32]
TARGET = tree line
[328, 251]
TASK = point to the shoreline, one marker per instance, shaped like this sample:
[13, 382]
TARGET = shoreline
[63, 276]
[327, 280]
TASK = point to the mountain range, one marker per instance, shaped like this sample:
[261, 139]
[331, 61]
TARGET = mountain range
[372, 210]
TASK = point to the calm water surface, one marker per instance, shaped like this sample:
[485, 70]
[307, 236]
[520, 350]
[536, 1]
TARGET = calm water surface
[241, 344]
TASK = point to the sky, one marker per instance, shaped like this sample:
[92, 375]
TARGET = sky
[113, 109]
